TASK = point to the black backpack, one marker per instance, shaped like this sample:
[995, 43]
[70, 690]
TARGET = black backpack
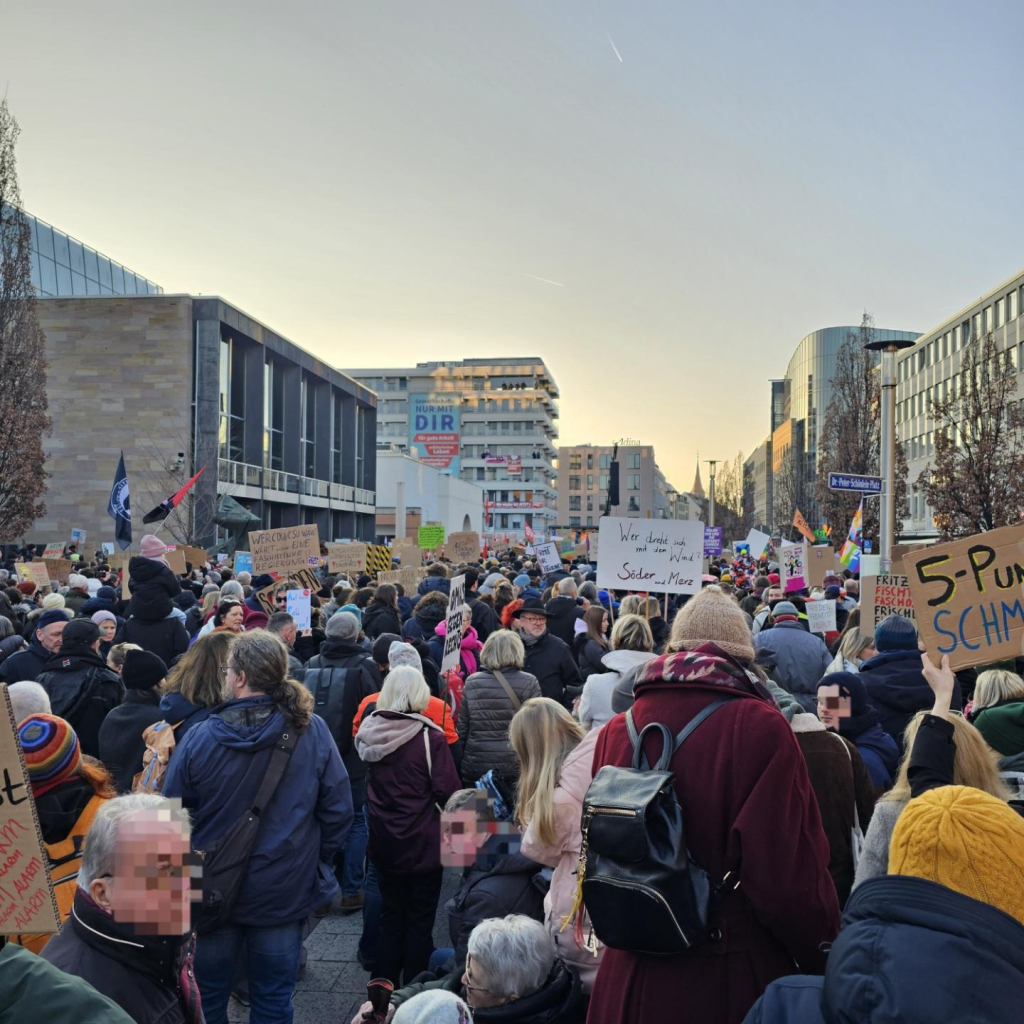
[327, 685]
[643, 892]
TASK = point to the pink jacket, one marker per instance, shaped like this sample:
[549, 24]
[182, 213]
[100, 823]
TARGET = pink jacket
[564, 856]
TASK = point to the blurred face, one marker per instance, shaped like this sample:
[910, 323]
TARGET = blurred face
[532, 624]
[467, 622]
[832, 707]
[868, 652]
[233, 618]
[50, 636]
[107, 629]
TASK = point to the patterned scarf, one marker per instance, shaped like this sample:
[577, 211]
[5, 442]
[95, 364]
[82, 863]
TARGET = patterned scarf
[707, 664]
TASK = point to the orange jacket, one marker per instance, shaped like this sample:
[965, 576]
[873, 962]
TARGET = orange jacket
[437, 711]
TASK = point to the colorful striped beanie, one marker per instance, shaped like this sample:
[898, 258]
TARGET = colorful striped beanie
[52, 752]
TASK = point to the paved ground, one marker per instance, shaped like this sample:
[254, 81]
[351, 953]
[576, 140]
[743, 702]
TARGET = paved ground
[335, 985]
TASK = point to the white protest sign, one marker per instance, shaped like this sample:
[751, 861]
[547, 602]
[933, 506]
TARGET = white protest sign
[821, 616]
[548, 557]
[453, 624]
[793, 566]
[298, 608]
[758, 542]
[665, 555]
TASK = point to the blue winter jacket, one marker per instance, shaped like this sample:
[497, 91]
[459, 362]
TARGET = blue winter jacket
[911, 951]
[217, 769]
[880, 754]
[176, 709]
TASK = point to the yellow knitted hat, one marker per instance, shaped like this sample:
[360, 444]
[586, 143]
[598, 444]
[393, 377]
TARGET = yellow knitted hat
[966, 840]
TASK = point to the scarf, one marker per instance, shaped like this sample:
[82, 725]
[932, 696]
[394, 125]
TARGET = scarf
[531, 641]
[708, 665]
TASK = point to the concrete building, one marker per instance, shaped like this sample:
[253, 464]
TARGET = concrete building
[757, 486]
[929, 371]
[430, 496]
[493, 422]
[179, 382]
[583, 476]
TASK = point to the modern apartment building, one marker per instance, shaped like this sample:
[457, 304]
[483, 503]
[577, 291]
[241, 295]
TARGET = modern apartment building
[757, 486]
[929, 371]
[492, 421]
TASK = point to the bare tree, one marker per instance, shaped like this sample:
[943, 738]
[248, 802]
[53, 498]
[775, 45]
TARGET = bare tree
[730, 513]
[974, 485]
[23, 407]
[850, 440]
[789, 490]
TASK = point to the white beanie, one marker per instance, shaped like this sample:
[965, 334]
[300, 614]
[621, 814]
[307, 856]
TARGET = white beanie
[93, 585]
[436, 1006]
[404, 654]
[77, 582]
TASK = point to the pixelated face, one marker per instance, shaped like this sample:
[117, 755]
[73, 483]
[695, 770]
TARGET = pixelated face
[832, 707]
[50, 636]
[152, 886]
[465, 832]
[533, 624]
[107, 629]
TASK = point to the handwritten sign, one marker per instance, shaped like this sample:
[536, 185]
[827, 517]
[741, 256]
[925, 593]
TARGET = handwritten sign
[60, 568]
[593, 540]
[548, 557]
[196, 557]
[453, 624]
[347, 558]
[299, 608]
[107, 546]
[77, 536]
[27, 903]
[821, 616]
[407, 551]
[302, 579]
[291, 547]
[821, 561]
[665, 556]
[36, 572]
[55, 550]
[431, 536]
[243, 561]
[758, 543]
[793, 566]
[968, 597]
[881, 596]
[712, 540]
[408, 576]
[463, 547]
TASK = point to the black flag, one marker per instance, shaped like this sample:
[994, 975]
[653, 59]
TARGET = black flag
[119, 508]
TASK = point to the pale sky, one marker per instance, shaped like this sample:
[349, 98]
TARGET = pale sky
[385, 182]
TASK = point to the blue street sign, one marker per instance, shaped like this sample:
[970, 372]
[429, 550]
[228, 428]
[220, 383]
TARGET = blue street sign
[852, 482]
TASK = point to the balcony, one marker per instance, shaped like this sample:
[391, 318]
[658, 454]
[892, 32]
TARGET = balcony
[242, 479]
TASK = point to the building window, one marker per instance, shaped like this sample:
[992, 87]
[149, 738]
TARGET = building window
[231, 432]
[634, 482]
[336, 437]
[574, 503]
[273, 416]
[574, 520]
[590, 460]
[307, 425]
[1011, 306]
[590, 481]
[574, 483]
[999, 313]
[590, 520]
[604, 462]
[360, 446]
[633, 460]
[976, 326]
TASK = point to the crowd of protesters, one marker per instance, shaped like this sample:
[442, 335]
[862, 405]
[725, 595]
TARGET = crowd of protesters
[852, 802]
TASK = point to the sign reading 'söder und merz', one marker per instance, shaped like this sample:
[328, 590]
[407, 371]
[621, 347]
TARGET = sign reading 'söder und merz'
[969, 598]
[664, 556]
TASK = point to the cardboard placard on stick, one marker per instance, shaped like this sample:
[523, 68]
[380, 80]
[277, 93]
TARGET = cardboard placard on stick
[302, 579]
[548, 557]
[27, 903]
[463, 547]
[60, 568]
[176, 560]
[347, 558]
[196, 557]
[792, 566]
[453, 624]
[821, 562]
[664, 556]
[54, 550]
[36, 572]
[408, 552]
[967, 597]
[881, 596]
[284, 550]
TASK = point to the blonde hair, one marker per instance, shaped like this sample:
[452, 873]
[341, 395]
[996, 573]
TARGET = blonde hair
[853, 644]
[975, 764]
[117, 654]
[542, 734]
[995, 685]
[404, 690]
[210, 603]
[503, 649]
[632, 633]
[632, 604]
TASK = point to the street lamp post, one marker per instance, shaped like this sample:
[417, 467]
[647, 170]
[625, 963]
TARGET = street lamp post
[711, 490]
[887, 445]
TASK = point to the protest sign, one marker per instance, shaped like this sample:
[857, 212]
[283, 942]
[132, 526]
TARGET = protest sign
[298, 608]
[56, 550]
[243, 561]
[378, 559]
[758, 543]
[821, 561]
[60, 568]
[27, 903]
[593, 540]
[107, 545]
[665, 556]
[347, 558]
[453, 624]
[712, 540]
[301, 579]
[793, 566]
[548, 557]
[407, 551]
[196, 557]
[881, 596]
[821, 616]
[870, 565]
[291, 547]
[431, 536]
[77, 536]
[35, 572]
[176, 560]
[967, 597]
[463, 547]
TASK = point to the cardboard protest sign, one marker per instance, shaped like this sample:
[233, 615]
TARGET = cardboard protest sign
[60, 568]
[298, 608]
[821, 562]
[285, 549]
[793, 566]
[870, 565]
[302, 579]
[821, 616]
[243, 561]
[881, 596]
[463, 547]
[27, 903]
[665, 556]
[196, 557]
[758, 543]
[35, 572]
[55, 550]
[431, 536]
[107, 546]
[347, 558]
[407, 551]
[967, 596]
[176, 560]
[453, 624]
[77, 536]
[548, 557]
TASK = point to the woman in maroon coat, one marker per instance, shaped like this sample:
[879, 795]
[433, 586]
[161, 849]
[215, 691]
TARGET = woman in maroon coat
[748, 808]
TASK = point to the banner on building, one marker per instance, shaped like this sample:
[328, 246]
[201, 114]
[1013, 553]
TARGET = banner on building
[434, 430]
[515, 464]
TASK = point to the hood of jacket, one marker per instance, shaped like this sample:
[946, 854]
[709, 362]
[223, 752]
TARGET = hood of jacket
[804, 721]
[384, 732]
[176, 709]
[558, 1000]
[429, 616]
[142, 570]
[334, 648]
[896, 931]
[626, 662]
[562, 607]
[879, 741]
[441, 583]
[894, 679]
[1002, 725]
[249, 724]
[97, 604]
[73, 658]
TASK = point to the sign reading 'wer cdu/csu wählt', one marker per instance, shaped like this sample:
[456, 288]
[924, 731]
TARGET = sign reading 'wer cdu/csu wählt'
[852, 482]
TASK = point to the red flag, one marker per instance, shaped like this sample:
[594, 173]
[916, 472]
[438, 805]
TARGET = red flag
[168, 505]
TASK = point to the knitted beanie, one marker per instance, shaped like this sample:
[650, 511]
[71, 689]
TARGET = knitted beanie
[404, 654]
[53, 601]
[143, 670]
[27, 587]
[966, 840]
[712, 616]
[103, 616]
[895, 633]
[436, 1006]
[785, 611]
[153, 547]
[52, 752]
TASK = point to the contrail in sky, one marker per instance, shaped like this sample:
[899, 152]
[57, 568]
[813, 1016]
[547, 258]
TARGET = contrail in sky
[557, 284]
[613, 46]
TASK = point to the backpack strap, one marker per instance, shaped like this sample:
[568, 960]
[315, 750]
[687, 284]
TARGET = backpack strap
[669, 746]
[516, 702]
[279, 758]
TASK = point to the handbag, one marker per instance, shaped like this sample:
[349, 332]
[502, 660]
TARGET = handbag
[516, 702]
[856, 834]
[225, 861]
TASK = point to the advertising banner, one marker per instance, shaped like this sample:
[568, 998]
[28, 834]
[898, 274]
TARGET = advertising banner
[434, 430]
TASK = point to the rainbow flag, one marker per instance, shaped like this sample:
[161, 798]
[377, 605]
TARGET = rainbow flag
[849, 555]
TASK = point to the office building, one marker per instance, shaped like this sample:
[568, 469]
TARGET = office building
[757, 486]
[181, 382]
[584, 472]
[929, 372]
[493, 422]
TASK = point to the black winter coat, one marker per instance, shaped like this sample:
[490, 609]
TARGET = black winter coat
[562, 615]
[121, 743]
[166, 638]
[423, 622]
[193, 619]
[485, 714]
[83, 691]
[381, 618]
[152, 585]
[485, 622]
[27, 663]
[551, 661]
[589, 658]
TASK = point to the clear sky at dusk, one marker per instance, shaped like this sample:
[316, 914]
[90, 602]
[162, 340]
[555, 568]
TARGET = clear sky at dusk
[387, 183]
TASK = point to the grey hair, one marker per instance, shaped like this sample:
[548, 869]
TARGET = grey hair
[6, 627]
[101, 840]
[515, 952]
[28, 698]
[566, 587]
[503, 649]
[342, 626]
[589, 591]
[404, 690]
[232, 589]
[244, 578]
